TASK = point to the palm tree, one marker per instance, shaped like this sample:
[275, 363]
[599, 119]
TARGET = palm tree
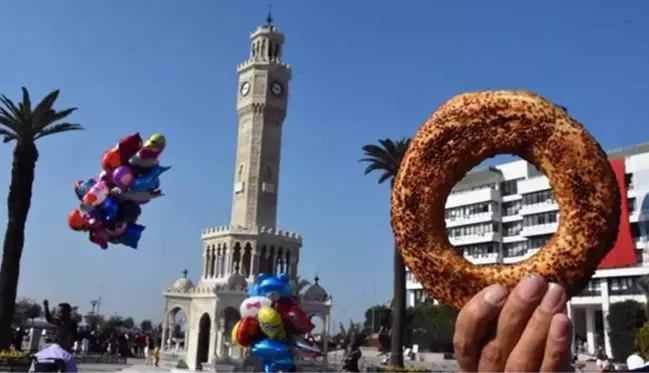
[299, 284]
[386, 157]
[24, 125]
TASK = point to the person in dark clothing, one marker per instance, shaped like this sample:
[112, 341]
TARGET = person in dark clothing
[352, 356]
[66, 329]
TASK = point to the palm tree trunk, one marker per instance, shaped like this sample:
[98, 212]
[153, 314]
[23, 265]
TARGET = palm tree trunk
[18, 204]
[399, 311]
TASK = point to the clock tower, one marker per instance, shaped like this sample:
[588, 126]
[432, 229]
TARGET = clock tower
[261, 107]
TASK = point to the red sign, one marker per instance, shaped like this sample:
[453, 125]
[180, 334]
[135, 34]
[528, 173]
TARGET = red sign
[623, 253]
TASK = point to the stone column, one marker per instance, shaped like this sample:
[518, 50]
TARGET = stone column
[274, 262]
[220, 337]
[325, 337]
[605, 306]
[254, 264]
[590, 329]
[206, 263]
[569, 313]
[227, 261]
[212, 347]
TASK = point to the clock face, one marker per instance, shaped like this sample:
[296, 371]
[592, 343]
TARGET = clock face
[245, 88]
[276, 88]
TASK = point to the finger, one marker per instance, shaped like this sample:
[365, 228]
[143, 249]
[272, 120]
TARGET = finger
[557, 348]
[527, 356]
[472, 322]
[511, 323]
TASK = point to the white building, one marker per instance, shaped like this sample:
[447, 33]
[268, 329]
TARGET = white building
[234, 254]
[505, 213]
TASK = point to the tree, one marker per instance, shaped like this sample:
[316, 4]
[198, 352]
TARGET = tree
[299, 284]
[432, 326]
[352, 334]
[26, 309]
[94, 320]
[128, 323]
[24, 125]
[146, 326]
[113, 323]
[624, 320]
[76, 316]
[374, 317]
[386, 158]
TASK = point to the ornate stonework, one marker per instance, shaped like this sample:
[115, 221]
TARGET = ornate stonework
[234, 254]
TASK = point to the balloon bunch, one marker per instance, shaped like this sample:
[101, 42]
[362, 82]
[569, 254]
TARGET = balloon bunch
[272, 324]
[110, 203]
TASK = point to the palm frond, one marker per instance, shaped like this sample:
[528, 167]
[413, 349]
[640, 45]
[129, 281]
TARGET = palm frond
[385, 157]
[9, 121]
[58, 128]
[51, 117]
[44, 108]
[13, 110]
[26, 105]
[8, 135]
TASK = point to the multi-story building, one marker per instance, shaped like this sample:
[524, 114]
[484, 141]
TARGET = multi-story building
[506, 213]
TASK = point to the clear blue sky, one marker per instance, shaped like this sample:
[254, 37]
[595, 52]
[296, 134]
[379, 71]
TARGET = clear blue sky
[362, 70]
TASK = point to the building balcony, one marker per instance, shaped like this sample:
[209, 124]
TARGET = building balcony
[482, 259]
[511, 218]
[475, 239]
[483, 217]
[518, 238]
[539, 230]
[538, 208]
[535, 184]
[519, 255]
[472, 197]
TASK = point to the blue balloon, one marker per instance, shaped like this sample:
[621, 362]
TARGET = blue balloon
[149, 181]
[132, 235]
[275, 284]
[275, 355]
[109, 210]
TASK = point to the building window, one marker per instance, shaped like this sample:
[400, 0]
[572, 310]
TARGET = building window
[631, 203]
[544, 196]
[594, 288]
[421, 296]
[512, 249]
[512, 228]
[623, 286]
[474, 188]
[508, 188]
[463, 212]
[511, 208]
[537, 242]
[472, 230]
[544, 218]
[628, 180]
[476, 251]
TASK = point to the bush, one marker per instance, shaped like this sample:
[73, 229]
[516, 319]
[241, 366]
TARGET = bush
[624, 320]
[642, 339]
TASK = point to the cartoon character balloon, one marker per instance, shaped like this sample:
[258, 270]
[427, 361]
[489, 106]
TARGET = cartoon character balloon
[272, 324]
[111, 203]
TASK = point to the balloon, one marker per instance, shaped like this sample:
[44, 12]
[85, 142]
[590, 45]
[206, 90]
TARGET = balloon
[140, 197]
[270, 323]
[307, 348]
[110, 208]
[129, 146]
[147, 156]
[76, 221]
[92, 218]
[110, 160]
[149, 181]
[131, 236]
[100, 237]
[82, 187]
[97, 194]
[295, 320]
[129, 211]
[123, 177]
[274, 354]
[244, 331]
[250, 306]
[275, 287]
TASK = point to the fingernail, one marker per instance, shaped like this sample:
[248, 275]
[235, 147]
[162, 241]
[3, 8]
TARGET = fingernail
[552, 298]
[495, 294]
[532, 287]
[559, 326]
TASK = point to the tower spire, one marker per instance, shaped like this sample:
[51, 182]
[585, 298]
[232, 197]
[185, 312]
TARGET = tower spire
[269, 17]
